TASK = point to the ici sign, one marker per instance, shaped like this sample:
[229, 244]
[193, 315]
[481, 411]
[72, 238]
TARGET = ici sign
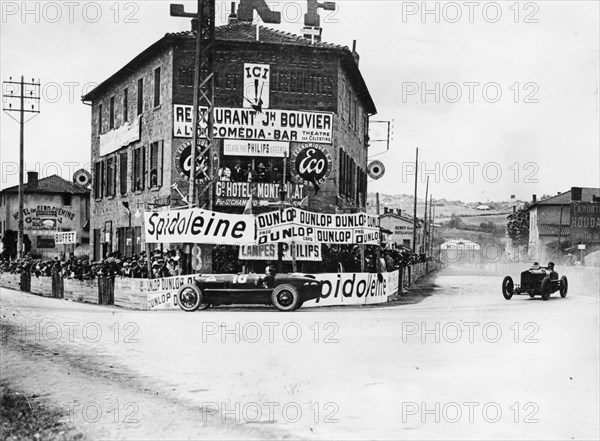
[311, 18]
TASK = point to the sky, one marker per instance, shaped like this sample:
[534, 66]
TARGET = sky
[500, 98]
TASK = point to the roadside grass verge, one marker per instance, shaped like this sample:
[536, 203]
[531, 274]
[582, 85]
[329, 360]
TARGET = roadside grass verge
[27, 417]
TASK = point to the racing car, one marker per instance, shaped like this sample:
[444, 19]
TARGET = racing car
[287, 292]
[537, 280]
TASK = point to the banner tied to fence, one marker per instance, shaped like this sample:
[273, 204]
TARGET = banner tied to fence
[194, 225]
[294, 224]
[290, 225]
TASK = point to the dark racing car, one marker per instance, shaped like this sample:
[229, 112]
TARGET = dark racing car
[287, 292]
[535, 281]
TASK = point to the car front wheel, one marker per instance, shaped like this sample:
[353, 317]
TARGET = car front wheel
[286, 298]
[508, 287]
[546, 288]
[564, 286]
[190, 297]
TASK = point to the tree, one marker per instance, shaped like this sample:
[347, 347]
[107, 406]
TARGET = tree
[454, 222]
[517, 226]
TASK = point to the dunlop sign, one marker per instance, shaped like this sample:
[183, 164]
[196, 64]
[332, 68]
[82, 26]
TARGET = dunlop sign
[247, 124]
[293, 224]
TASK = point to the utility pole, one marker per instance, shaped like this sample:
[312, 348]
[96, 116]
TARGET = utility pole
[25, 99]
[432, 230]
[424, 240]
[414, 242]
[204, 90]
[414, 248]
[203, 97]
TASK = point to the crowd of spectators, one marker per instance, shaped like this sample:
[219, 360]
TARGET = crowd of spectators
[162, 263]
[170, 263]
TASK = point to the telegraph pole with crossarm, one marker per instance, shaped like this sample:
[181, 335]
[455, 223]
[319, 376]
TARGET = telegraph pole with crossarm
[204, 91]
[24, 98]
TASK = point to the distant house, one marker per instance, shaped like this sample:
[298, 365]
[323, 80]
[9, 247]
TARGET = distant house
[51, 204]
[483, 207]
[550, 222]
[400, 228]
[460, 251]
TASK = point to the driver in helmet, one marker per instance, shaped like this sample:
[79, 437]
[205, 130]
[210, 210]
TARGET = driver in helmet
[269, 279]
[550, 268]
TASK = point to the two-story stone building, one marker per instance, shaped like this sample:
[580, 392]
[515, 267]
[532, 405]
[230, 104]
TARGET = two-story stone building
[50, 205]
[283, 103]
[557, 219]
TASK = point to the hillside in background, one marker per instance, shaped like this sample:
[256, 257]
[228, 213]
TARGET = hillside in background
[456, 219]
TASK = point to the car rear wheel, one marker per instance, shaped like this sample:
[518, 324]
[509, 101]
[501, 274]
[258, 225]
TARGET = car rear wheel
[190, 297]
[508, 287]
[564, 286]
[545, 289]
[286, 298]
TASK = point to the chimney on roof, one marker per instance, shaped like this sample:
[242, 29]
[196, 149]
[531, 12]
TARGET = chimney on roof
[399, 211]
[534, 198]
[385, 210]
[233, 16]
[32, 180]
[354, 53]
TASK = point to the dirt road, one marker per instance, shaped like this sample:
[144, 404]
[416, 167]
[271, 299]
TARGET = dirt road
[462, 364]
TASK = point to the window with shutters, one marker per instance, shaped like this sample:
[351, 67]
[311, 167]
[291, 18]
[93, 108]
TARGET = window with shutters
[111, 174]
[156, 164]
[140, 96]
[139, 168]
[97, 180]
[157, 87]
[123, 172]
[100, 119]
[111, 113]
[126, 105]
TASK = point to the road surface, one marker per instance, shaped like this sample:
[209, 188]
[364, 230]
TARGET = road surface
[461, 363]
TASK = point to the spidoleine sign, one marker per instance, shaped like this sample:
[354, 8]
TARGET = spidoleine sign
[194, 225]
[294, 224]
[339, 289]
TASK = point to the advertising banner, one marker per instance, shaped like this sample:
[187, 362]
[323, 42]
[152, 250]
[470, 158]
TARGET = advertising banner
[65, 238]
[302, 226]
[248, 124]
[123, 136]
[194, 225]
[353, 289]
[236, 194]
[162, 293]
[585, 222]
[269, 251]
[272, 149]
[257, 86]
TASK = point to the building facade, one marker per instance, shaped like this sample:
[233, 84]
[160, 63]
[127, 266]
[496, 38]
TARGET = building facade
[559, 220]
[401, 229]
[287, 108]
[50, 205]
